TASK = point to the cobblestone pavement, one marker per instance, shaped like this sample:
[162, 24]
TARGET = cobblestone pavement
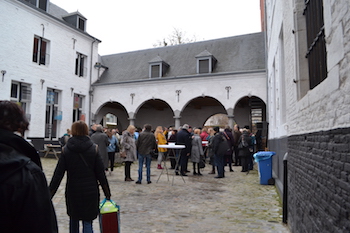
[237, 203]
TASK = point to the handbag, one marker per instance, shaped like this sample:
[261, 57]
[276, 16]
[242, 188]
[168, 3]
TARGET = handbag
[123, 154]
[202, 163]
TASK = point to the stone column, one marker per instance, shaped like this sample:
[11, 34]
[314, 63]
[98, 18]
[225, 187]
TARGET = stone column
[231, 121]
[177, 122]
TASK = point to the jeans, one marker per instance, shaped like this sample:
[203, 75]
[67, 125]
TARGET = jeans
[219, 162]
[74, 226]
[148, 159]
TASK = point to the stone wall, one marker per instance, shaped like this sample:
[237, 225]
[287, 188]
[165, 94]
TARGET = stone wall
[318, 181]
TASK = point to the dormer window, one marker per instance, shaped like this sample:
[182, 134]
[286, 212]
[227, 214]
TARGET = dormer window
[77, 20]
[157, 68]
[42, 4]
[205, 62]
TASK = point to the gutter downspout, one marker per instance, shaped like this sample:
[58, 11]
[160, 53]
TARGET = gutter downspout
[90, 81]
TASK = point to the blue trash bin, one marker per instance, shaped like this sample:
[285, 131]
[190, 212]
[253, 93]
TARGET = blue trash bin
[264, 160]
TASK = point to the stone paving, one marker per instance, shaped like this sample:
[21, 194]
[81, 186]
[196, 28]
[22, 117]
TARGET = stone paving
[237, 203]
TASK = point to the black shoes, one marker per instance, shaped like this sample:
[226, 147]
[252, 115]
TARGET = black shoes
[218, 177]
[139, 182]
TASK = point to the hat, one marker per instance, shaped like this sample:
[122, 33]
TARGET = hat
[185, 126]
[216, 129]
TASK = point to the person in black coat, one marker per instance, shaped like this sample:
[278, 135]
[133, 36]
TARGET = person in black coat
[230, 140]
[85, 171]
[243, 147]
[220, 148]
[184, 137]
[25, 204]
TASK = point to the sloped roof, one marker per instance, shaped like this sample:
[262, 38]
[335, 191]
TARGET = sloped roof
[233, 54]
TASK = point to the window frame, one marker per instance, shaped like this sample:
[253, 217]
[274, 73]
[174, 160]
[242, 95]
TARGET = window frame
[40, 53]
[80, 65]
[316, 53]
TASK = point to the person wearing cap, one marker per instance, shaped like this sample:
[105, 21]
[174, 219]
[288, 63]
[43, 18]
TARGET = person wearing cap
[184, 137]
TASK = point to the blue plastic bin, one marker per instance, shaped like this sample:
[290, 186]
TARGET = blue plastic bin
[264, 160]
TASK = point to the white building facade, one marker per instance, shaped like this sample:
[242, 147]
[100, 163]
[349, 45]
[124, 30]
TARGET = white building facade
[188, 83]
[46, 65]
[309, 110]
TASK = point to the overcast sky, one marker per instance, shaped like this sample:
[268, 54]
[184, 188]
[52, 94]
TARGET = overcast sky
[130, 25]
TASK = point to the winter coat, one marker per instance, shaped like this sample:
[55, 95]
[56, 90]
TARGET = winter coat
[25, 203]
[128, 144]
[197, 149]
[210, 146]
[184, 138]
[230, 141]
[220, 145]
[101, 139]
[244, 151]
[85, 171]
[113, 143]
[146, 143]
[161, 140]
[236, 137]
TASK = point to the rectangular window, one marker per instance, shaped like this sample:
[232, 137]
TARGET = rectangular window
[40, 49]
[203, 66]
[42, 4]
[155, 71]
[80, 65]
[77, 107]
[21, 93]
[81, 24]
[51, 119]
[316, 54]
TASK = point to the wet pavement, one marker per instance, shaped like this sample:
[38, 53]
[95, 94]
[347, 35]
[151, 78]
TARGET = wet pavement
[237, 203]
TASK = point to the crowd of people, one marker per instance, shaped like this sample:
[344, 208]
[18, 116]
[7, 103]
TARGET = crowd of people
[221, 147]
[88, 156]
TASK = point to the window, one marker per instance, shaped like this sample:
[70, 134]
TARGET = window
[40, 51]
[157, 68]
[77, 107]
[21, 93]
[205, 62]
[52, 113]
[203, 66]
[80, 68]
[42, 4]
[316, 52]
[155, 71]
[81, 25]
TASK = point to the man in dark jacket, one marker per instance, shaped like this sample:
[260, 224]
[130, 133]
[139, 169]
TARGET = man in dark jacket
[184, 138]
[146, 144]
[25, 202]
[220, 148]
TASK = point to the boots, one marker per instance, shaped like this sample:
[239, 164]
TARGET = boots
[194, 169]
[159, 166]
[199, 171]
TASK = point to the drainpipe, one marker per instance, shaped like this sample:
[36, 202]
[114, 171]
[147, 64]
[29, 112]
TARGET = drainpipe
[90, 89]
[285, 189]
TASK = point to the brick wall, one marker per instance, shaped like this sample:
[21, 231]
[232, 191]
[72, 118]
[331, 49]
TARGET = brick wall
[318, 181]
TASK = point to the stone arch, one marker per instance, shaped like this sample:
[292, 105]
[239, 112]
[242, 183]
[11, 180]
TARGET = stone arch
[116, 109]
[197, 110]
[155, 112]
[249, 110]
